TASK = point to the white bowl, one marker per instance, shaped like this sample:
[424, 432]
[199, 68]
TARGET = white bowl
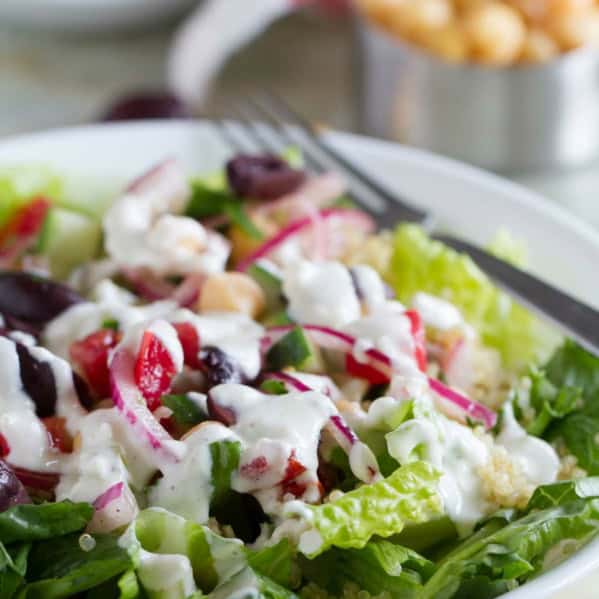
[469, 201]
[90, 15]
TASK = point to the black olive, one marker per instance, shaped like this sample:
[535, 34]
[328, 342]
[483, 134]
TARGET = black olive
[32, 299]
[262, 177]
[146, 105]
[218, 367]
[38, 382]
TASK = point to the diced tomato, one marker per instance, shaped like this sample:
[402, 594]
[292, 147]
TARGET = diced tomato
[21, 231]
[4, 446]
[294, 468]
[292, 487]
[154, 369]
[59, 436]
[91, 356]
[254, 469]
[190, 342]
[419, 335]
[365, 371]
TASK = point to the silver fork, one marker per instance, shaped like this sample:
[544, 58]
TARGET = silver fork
[267, 123]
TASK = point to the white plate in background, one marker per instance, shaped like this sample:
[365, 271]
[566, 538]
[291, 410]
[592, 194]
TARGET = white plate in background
[469, 201]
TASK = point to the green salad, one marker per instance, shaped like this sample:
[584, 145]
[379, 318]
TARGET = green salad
[233, 387]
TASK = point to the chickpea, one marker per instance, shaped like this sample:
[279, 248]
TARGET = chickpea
[539, 47]
[242, 245]
[232, 292]
[448, 43]
[416, 18]
[496, 33]
[535, 11]
[381, 11]
[576, 29]
[564, 8]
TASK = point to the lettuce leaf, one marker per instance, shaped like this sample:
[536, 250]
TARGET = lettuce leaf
[60, 568]
[561, 493]
[378, 567]
[550, 403]
[421, 264]
[573, 367]
[408, 496]
[43, 521]
[501, 556]
[160, 532]
[249, 585]
[13, 567]
[19, 184]
[276, 562]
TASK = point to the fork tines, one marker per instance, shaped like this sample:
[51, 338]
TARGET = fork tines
[268, 123]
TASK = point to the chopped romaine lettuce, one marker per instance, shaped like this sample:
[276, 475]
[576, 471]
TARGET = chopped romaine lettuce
[421, 264]
[548, 402]
[573, 367]
[43, 521]
[379, 567]
[501, 556]
[60, 568]
[276, 562]
[408, 496]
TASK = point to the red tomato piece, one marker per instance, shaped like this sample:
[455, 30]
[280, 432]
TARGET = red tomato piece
[255, 469]
[419, 335]
[91, 356]
[154, 369]
[59, 436]
[294, 488]
[365, 371]
[4, 446]
[190, 342]
[23, 228]
[294, 468]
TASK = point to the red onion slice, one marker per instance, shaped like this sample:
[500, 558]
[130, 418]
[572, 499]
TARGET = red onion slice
[130, 403]
[358, 219]
[470, 408]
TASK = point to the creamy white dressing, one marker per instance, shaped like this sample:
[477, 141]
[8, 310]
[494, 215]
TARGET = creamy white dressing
[108, 454]
[436, 312]
[370, 286]
[320, 293]
[457, 453]
[538, 460]
[82, 319]
[274, 427]
[26, 435]
[145, 229]
[186, 487]
[389, 330]
[67, 399]
[235, 334]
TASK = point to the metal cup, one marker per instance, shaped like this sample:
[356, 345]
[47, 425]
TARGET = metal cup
[513, 119]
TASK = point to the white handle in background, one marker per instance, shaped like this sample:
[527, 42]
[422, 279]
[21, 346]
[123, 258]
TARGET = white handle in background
[213, 32]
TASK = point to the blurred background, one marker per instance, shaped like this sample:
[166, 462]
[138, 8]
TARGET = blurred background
[510, 85]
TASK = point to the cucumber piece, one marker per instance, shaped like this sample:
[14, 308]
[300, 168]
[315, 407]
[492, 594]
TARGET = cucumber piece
[294, 349]
[271, 284]
[68, 239]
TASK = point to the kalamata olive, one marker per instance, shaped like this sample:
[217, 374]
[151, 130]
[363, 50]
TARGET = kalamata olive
[38, 382]
[12, 491]
[146, 105]
[218, 367]
[14, 324]
[33, 299]
[262, 177]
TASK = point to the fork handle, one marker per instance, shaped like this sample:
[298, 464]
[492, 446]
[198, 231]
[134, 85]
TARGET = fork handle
[575, 319]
